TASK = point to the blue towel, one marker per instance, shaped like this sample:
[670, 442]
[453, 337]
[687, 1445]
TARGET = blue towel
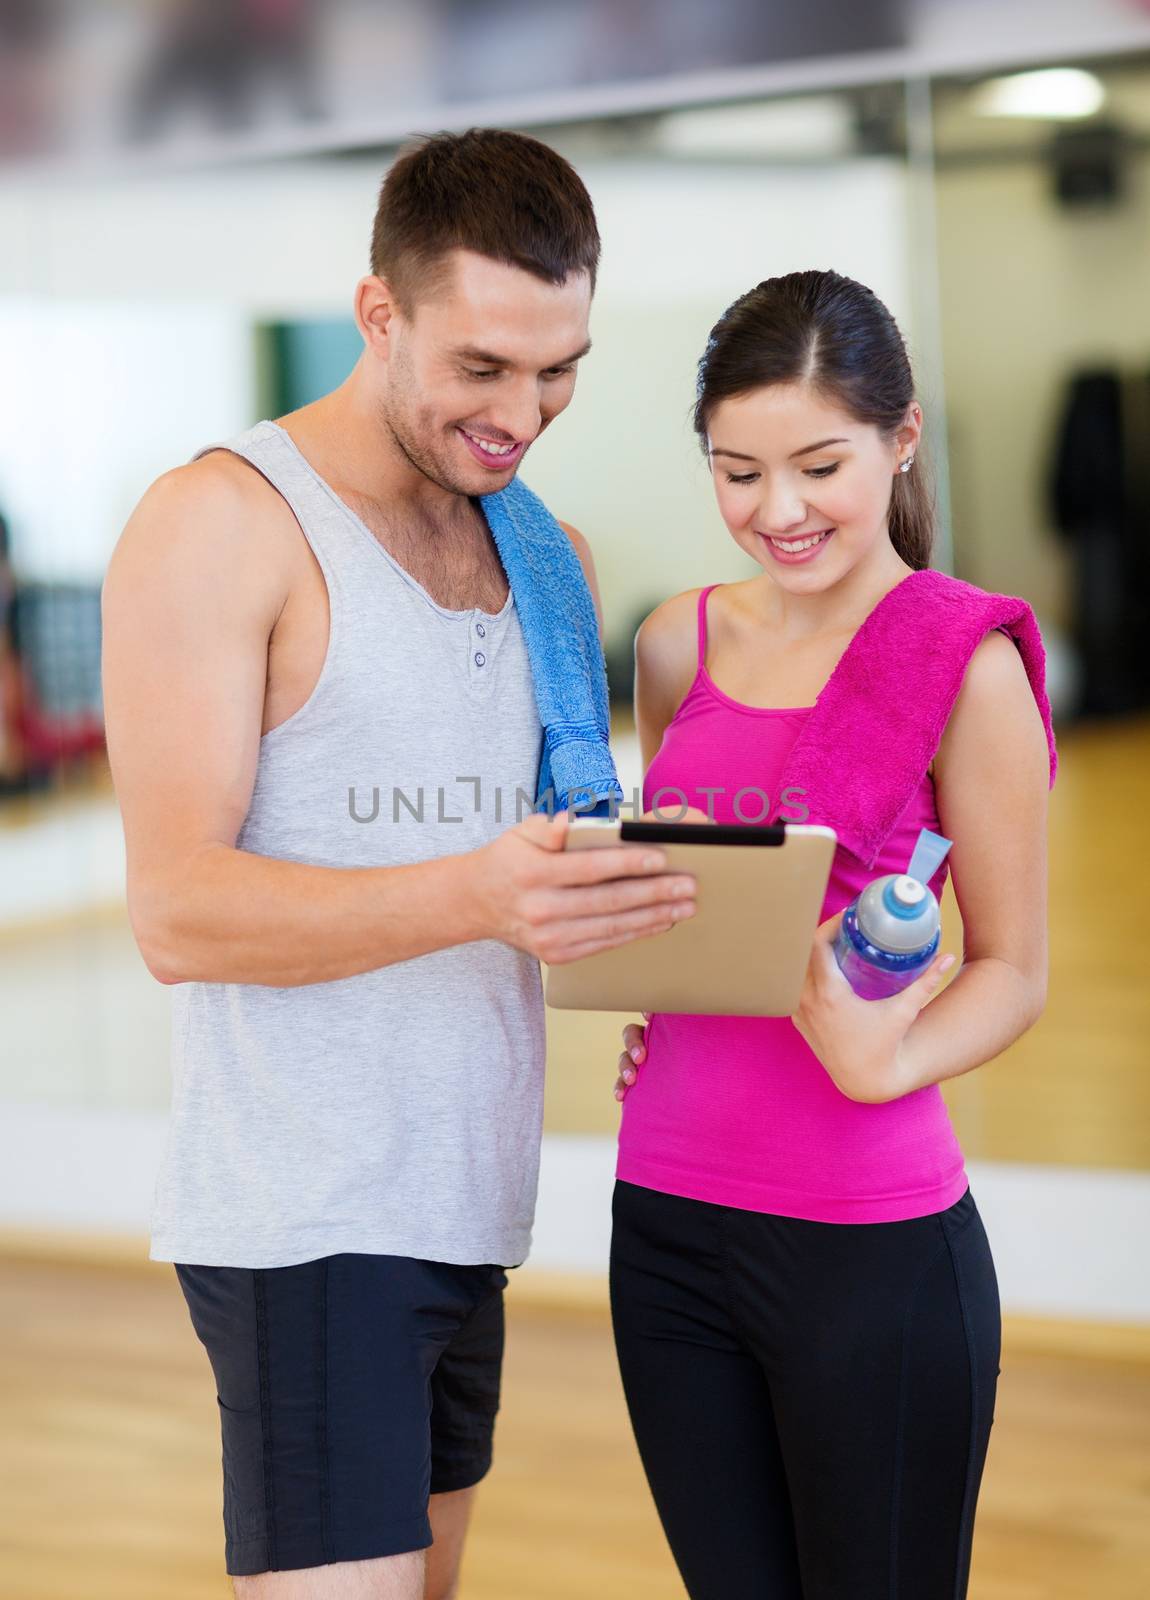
[561, 631]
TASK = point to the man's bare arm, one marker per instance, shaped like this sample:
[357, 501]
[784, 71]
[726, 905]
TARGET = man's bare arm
[193, 592]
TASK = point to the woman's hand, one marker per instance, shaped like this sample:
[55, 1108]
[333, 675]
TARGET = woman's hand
[859, 1042]
[634, 1054]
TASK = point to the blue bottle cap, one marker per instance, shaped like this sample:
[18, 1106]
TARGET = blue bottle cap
[903, 897]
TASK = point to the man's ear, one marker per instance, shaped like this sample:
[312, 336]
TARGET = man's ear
[375, 307]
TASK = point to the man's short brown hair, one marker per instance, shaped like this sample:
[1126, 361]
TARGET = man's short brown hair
[504, 195]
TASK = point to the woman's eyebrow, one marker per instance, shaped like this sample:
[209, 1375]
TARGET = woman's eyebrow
[805, 451]
[822, 444]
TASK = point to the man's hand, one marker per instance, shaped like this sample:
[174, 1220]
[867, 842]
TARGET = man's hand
[528, 891]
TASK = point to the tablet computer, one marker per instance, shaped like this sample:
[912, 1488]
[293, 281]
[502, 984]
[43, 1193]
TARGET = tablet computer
[760, 892]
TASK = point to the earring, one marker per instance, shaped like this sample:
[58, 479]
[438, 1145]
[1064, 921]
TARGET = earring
[907, 464]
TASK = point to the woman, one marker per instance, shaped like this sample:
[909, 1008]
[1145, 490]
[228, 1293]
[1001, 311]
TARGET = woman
[805, 1304]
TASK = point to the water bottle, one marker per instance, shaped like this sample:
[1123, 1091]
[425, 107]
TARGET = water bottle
[889, 934]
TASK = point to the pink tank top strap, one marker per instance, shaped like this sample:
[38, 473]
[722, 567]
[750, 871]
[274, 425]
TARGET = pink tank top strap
[703, 625]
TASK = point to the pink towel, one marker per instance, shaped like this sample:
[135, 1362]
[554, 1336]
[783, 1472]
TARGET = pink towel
[866, 745]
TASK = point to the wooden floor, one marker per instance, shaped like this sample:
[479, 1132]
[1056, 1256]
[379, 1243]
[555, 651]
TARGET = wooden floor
[109, 1461]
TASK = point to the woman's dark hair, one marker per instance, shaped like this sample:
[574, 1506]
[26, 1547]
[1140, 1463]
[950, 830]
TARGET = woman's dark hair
[835, 334]
[504, 195]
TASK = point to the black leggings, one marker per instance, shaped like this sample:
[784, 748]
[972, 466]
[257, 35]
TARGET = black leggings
[812, 1401]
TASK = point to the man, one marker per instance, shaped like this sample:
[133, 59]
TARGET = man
[12, 767]
[308, 634]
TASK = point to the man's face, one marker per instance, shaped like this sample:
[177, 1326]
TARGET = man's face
[481, 367]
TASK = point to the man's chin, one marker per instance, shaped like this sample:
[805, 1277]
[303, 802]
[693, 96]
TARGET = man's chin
[459, 478]
[492, 482]
[459, 473]
[473, 486]
[484, 480]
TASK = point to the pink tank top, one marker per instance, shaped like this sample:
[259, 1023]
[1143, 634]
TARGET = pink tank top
[739, 1111]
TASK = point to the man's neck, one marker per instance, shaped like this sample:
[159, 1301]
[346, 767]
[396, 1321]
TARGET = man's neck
[440, 539]
[346, 438]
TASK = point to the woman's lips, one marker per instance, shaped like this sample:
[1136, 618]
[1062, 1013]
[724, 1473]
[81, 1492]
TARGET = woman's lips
[793, 558]
[493, 461]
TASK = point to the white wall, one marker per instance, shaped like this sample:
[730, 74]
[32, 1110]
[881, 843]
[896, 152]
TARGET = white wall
[98, 399]
[125, 325]
[265, 240]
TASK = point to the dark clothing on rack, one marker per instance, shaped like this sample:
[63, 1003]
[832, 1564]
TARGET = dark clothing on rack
[1101, 503]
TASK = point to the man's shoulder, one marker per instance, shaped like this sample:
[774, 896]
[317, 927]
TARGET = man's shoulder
[579, 540]
[587, 561]
[214, 519]
[219, 482]
[215, 499]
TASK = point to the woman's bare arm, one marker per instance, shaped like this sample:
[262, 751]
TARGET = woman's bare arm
[992, 784]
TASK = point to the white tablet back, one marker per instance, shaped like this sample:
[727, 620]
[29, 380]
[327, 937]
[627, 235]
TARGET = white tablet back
[746, 949]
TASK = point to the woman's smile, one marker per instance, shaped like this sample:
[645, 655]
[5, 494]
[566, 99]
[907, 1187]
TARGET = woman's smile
[797, 549]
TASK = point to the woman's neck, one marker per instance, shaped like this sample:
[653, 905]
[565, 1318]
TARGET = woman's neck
[841, 608]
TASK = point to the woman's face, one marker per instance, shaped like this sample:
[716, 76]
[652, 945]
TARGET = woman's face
[803, 487]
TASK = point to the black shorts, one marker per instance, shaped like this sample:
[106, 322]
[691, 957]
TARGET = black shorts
[350, 1389]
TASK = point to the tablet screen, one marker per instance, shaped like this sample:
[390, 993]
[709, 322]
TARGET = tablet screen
[638, 832]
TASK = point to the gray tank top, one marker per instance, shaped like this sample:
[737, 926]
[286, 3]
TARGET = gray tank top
[397, 1112]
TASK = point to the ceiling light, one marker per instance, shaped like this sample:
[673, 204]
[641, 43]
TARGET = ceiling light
[815, 125]
[1055, 94]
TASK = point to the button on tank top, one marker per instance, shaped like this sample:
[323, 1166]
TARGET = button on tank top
[739, 1111]
[399, 1111]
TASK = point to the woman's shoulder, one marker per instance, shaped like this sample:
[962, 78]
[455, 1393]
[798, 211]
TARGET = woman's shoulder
[995, 686]
[964, 621]
[997, 721]
[667, 645]
[957, 593]
[990, 665]
[672, 626]
[678, 617]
